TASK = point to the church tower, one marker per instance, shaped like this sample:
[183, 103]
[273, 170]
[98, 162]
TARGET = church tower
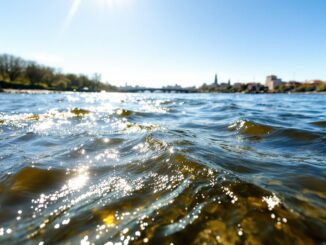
[215, 81]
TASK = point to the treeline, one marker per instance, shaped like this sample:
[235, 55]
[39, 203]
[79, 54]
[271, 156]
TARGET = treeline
[304, 87]
[241, 88]
[18, 73]
[290, 87]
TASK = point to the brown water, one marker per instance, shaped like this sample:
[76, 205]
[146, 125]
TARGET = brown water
[162, 168]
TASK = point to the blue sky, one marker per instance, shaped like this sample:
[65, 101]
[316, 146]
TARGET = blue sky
[160, 42]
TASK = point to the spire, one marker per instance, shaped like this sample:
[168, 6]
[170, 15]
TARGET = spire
[215, 81]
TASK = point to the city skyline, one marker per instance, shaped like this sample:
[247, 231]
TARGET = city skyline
[169, 42]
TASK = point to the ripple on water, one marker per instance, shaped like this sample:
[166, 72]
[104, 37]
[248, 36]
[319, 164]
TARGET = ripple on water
[124, 112]
[42, 122]
[256, 131]
[252, 129]
[134, 169]
[321, 124]
[178, 200]
[79, 112]
[36, 180]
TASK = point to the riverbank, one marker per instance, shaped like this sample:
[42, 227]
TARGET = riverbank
[46, 91]
[29, 91]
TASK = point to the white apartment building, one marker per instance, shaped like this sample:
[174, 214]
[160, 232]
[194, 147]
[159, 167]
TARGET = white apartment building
[272, 82]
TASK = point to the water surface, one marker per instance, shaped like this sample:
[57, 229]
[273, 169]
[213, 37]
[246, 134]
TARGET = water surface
[97, 168]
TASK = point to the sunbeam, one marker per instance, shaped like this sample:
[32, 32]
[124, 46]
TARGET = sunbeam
[73, 10]
[113, 3]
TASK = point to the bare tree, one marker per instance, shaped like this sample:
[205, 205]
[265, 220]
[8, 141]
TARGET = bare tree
[11, 66]
[3, 65]
[34, 72]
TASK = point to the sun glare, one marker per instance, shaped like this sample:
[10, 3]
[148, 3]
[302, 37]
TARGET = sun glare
[113, 3]
[75, 5]
[72, 11]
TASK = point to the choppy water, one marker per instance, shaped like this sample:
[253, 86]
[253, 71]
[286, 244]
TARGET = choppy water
[162, 168]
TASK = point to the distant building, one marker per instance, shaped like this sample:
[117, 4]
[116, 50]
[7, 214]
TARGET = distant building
[176, 86]
[254, 87]
[224, 85]
[293, 84]
[215, 84]
[314, 81]
[272, 82]
[237, 85]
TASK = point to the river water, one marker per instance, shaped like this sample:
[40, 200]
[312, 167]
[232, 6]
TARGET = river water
[96, 168]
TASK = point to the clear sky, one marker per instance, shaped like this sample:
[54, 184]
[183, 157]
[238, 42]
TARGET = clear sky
[161, 42]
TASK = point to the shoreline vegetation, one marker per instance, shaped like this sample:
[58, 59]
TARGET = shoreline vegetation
[18, 75]
[45, 91]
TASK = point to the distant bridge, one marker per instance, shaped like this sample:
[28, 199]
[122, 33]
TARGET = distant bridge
[162, 90]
